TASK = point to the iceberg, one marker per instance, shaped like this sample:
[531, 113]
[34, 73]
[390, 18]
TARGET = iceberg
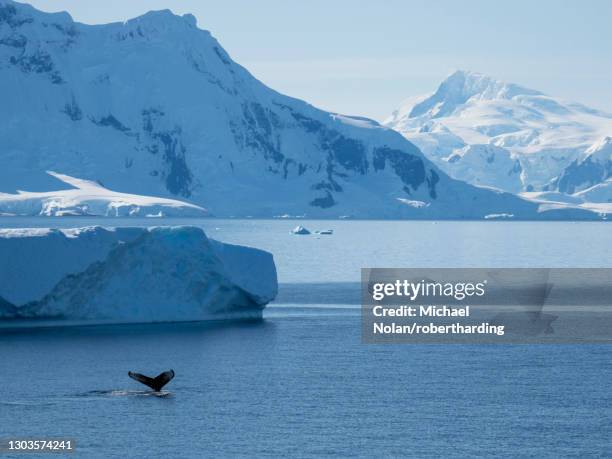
[123, 275]
[300, 230]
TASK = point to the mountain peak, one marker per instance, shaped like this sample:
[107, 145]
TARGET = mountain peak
[163, 20]
[470, 84]
[542, 134]
[14, 13]
[17, 14]
[165, 16]
[462, 86]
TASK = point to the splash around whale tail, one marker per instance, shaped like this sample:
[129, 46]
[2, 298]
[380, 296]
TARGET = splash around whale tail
[154, 383]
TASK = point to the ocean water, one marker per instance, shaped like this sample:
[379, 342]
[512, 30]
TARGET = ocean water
[300, 383]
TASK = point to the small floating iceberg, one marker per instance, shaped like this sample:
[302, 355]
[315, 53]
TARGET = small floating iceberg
[300, 230]
[122, 275]
[498, 216]
[327, 231]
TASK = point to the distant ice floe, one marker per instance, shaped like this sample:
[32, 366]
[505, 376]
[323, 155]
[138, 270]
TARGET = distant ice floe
[289, 216]
[88, 198]
[123, 275]
[304, 231]
[300, 230]
[413, 203]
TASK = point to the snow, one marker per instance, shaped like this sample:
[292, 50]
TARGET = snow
[300, 230]
[487, 165]
[90, 198]
[470, 110]
[413, 203]
[596, 199]
[356, 121]
[600, 151]
[602, 193]
[130, 275]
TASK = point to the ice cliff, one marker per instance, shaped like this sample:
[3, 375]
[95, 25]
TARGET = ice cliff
[130, 275]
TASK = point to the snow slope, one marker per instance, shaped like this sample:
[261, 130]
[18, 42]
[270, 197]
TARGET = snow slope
[525, 138]
[598, 199]
[130, 275]
[155, 106]
[91, 198]
[602, 192]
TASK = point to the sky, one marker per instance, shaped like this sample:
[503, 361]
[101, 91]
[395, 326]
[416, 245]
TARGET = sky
[364, 58]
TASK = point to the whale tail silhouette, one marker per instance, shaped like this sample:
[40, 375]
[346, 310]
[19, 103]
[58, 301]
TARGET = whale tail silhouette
[154, 383]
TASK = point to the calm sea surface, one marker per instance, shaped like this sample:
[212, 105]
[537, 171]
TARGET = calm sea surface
[300, 383]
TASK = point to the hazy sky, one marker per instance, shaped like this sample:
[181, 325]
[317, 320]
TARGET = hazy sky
[363, 57]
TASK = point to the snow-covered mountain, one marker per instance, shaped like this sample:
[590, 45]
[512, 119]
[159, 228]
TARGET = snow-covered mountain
[489, 132]
[155, 106]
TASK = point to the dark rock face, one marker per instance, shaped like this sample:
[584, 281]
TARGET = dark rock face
[325, 202]
[258, 131]
[409, 168]
[178, 176]
[37, 62]
[583, 174]
[349, 153]
[73, 110]
[110, 121]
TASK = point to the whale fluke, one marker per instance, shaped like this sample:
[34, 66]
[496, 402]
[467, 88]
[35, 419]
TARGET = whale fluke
[154, 383]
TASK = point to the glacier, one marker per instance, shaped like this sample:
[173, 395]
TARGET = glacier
[154, 106]
[88, 198]
[489, 132]
[129, 274]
